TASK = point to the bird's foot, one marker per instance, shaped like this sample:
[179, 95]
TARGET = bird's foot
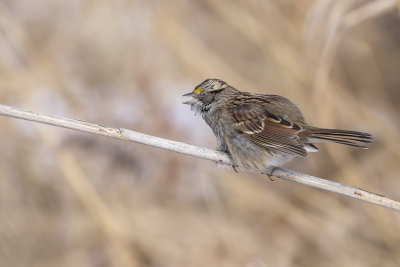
[270, 174]
[234, 168]
[270, 177]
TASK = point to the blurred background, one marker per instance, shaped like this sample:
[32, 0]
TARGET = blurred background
[74, 199]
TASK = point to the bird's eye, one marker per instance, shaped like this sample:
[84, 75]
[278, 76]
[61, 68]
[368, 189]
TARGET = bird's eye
[198, 90]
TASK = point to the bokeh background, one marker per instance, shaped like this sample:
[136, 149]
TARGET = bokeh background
[74, 199]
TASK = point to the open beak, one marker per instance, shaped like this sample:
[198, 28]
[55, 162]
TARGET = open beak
[189, 94]
[191, 101]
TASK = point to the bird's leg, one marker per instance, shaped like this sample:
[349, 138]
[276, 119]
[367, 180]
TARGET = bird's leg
[271, 174]
[221, 147]
[234, 168]
[270, 177]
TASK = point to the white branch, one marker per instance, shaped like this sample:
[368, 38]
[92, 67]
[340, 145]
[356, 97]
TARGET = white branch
[194, 151]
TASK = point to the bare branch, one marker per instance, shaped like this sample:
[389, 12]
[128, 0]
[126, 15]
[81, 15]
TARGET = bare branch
[194, 151]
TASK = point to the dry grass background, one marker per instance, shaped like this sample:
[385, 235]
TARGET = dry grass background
[73, 199]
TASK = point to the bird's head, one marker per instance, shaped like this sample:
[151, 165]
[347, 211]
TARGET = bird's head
[204, 94]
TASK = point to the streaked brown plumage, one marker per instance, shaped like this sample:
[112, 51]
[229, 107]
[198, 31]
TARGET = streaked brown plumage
[260, 132]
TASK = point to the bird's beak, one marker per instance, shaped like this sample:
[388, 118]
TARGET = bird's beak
[189, 102]
[189, 94]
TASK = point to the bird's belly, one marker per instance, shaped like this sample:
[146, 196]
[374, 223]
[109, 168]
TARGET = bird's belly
[250, 156]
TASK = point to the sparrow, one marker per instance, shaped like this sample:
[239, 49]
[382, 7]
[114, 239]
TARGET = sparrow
[259, 131]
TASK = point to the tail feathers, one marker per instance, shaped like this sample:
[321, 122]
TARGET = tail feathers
[344, 137]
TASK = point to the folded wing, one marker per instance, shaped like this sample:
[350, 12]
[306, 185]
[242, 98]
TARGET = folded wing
[268, 130]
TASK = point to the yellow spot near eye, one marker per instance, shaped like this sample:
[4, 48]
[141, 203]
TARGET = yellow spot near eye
[198, 90]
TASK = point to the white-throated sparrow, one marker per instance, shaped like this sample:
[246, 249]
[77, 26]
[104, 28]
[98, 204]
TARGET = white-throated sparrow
[260, 132]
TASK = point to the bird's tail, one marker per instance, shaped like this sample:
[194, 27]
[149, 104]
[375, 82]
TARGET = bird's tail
[344, 137]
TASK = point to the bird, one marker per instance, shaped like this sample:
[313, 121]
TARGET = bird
[260, 132]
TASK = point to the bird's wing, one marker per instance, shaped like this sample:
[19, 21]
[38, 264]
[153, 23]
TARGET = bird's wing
[266, 129]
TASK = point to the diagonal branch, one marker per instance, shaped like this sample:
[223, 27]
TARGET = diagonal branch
[195, 151]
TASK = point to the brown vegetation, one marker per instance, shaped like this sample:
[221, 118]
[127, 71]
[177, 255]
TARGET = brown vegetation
[73, 199]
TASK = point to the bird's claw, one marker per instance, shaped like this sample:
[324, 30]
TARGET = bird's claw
[270, 177]
[234, 168]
